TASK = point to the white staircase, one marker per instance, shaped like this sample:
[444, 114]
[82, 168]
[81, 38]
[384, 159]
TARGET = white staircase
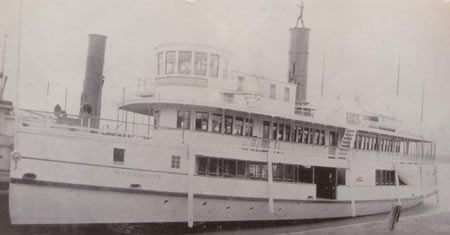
[347, 141]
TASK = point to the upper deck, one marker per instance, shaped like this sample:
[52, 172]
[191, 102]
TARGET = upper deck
[199, 76]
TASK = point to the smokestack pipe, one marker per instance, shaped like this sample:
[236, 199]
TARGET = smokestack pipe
[91, 98]
[298, 61]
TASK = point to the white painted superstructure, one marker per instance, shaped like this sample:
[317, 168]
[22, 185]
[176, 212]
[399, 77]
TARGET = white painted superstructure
[200, 143]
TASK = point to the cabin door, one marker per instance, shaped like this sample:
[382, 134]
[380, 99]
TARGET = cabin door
[325, 180]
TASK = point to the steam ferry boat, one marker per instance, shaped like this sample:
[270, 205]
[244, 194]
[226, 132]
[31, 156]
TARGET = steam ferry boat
[201, 143]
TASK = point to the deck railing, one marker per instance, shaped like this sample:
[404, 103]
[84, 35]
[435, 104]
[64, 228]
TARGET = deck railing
[41, 120]
[76, 124]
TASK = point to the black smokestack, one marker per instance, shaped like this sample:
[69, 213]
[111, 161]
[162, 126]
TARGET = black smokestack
[91, 98]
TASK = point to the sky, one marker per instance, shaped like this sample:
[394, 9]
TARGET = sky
[361, 42]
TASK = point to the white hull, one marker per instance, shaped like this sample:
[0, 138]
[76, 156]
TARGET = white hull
[47, 203]
[78, 185]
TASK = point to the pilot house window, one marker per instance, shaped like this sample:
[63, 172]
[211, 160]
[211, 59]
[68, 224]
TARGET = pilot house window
[214, 66]
[286, 94]
[184, 62]
[160, 63]
[272, 91]
[200, 63]
[170, 62]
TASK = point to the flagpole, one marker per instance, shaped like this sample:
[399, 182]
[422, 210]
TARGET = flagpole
[398, 71]
[19, 51]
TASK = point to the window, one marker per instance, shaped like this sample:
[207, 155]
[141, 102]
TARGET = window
[184, 62]
[213, 166]
[238, 126]
[248, 127]
[228, 124]
[322, 137]
[254, 170]
[119, 155]
[294, 134]
[280, 132]
[229, 168]
[200, 63]
[300, 134]
[214, 66]
[288, 133]
[266, 130]
[219, 167]
[305, 174]
[305, 135]
[183, 119]
[170, 62]
[288, 173]
[384, 177]
[277, 171]
[316, 136]
[160, 63]
[272, 91]
[241, 168]
[201, 121]
[202, 164]
[217, 123]
[274, 131]
[286, 94]
[264, 171]
[340, 176]
[333, 139]
[175, 162]
[156, 118]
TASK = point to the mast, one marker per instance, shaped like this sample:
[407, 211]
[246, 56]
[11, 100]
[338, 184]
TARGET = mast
[398, 72]
[3, 77]
[421, 106]
[323, 75]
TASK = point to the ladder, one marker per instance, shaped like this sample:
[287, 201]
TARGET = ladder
[346, 143]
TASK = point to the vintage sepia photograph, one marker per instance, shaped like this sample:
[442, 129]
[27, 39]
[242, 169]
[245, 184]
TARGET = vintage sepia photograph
[224, 117]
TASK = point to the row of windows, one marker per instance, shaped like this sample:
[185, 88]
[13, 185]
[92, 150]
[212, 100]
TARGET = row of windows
[301, 134]
[258, 170]
[231, 125]
[185, 63]
[390, 145]
[384, 177]
[244, 126]
[374, 143]
[237, 125]
[273, 93]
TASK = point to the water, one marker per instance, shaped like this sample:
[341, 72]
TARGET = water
[429, 207]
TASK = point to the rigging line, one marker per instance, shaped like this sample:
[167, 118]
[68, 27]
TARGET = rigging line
[3, 57]
[423, 96]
